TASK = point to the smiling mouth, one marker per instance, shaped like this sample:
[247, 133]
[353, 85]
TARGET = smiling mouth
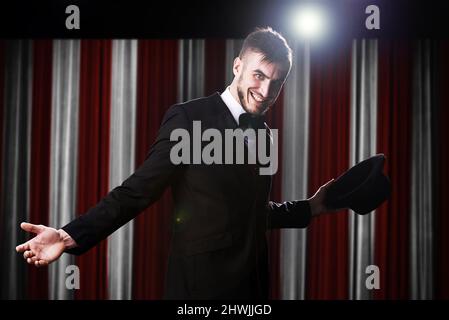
[258, 98]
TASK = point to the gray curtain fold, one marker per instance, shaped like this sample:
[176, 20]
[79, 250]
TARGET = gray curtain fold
[16, 165]
[421, 233]
[363, 145]
[122, 160]
[191, 69]
[64, 147]
[295, 170]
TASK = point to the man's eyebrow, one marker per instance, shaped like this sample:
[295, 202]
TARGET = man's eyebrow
[261, 72]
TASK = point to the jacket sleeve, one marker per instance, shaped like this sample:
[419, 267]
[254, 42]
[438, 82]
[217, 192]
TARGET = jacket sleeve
[289, 214]
[137, 192]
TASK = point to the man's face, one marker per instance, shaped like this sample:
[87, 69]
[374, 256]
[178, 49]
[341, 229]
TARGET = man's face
[258, 82]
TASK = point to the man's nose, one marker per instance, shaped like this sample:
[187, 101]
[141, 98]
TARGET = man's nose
[265, 88]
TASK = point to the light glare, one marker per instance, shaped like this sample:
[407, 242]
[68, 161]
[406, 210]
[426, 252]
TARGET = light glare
[310, 22]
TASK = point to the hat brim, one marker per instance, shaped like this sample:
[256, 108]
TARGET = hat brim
[362, 188]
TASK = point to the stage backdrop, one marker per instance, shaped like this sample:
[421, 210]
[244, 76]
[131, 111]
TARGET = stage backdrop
[78, 116]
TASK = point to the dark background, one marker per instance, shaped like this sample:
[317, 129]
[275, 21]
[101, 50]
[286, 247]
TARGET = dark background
[214, 18]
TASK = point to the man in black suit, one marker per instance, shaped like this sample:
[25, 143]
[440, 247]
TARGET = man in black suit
[222, 211]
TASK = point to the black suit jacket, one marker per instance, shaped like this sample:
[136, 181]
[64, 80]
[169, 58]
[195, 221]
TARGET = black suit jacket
[221, 213]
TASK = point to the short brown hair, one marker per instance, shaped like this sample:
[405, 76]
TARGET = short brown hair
[271, 44]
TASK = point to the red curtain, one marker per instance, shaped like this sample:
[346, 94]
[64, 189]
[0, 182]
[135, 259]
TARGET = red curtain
[215, 75]
[394, 132]
[442, 177]
[40, 154]
[275, 120]
[156, 91]
[327, 242]
[93, 156]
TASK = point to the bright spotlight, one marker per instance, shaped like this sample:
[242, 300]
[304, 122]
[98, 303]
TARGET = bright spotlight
[310, 22]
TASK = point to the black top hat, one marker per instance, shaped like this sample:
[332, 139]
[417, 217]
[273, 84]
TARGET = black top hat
[362, 188]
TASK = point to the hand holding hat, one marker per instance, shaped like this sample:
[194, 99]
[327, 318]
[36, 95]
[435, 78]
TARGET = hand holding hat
[362, 188]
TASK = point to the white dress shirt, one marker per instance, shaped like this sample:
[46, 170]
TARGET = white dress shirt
[232, 104]
[236, 109]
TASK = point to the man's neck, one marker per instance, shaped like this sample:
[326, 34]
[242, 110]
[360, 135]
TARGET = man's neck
[233, 90]
[233, 104]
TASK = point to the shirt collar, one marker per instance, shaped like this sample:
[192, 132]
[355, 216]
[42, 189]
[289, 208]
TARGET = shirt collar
[233, 105]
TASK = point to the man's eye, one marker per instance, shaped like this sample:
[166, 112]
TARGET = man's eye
[259, 76]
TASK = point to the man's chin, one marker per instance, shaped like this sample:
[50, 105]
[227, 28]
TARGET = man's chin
[258, 111]
[255, 110]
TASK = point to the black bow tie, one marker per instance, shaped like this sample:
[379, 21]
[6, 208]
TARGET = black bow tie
[248, 120]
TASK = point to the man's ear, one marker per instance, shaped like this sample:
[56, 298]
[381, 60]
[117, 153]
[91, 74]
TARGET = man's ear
[237, 66]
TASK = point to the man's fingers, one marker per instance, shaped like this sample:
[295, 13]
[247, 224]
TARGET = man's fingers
[32, 260]
[327, 184]
[29, 227]
[28, 254]
[41, 263]
[23, 247]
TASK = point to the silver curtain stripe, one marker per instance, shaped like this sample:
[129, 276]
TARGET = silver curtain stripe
[191, 69]
[363, 145]
[421, 235]
[64, 150]
[295, 169]
[122, 160]
[233, 47]
[16, 166]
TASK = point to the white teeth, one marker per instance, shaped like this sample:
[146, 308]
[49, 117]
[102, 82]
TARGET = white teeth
[256, 97]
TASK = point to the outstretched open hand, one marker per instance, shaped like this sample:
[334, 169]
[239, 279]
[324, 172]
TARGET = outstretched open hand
[44, 248]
